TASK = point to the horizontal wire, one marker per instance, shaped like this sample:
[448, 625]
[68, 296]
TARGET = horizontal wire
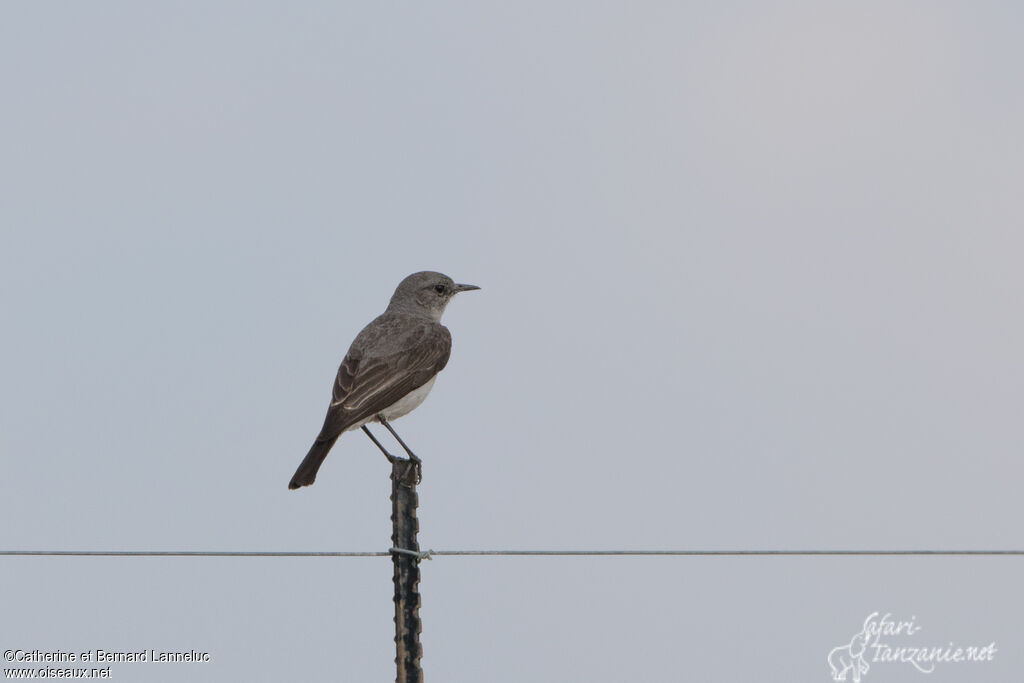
[191, 553]
[507, 553]
[725, 553]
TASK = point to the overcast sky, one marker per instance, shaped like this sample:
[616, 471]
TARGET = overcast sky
[751, 278]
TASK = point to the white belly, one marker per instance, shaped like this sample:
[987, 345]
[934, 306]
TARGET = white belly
[407, 403]
[402, 406]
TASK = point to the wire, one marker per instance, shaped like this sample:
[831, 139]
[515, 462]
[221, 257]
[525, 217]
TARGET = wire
[727, 553]
[427, 554]
[189, 553]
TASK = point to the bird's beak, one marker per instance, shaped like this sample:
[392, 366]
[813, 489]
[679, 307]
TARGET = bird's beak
[465, 288]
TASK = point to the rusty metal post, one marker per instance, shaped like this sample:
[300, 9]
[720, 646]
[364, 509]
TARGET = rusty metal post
[407, 572]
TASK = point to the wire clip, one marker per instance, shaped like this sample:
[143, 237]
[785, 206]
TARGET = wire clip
[419, 555]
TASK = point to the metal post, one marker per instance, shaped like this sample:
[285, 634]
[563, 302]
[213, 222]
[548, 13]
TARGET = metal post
[407, 572]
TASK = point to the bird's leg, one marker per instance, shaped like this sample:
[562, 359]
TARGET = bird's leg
[383, 420]
[417, 463]
[391, 458]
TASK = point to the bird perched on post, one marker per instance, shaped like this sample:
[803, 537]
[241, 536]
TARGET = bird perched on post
[390, 367]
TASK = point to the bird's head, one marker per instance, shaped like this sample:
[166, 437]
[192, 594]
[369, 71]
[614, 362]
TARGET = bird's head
[426, 293]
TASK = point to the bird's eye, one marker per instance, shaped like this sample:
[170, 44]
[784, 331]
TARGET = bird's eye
[439, 289]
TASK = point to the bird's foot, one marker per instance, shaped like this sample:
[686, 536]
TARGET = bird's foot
[412, 466]
[418, 464]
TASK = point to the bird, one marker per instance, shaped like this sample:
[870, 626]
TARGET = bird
[389, 368]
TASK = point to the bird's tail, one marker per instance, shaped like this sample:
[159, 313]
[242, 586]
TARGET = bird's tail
[306, 474]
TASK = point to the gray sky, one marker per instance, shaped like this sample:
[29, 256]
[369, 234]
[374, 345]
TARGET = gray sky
[751, 279]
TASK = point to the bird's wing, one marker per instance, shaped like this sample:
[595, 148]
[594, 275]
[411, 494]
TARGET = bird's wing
[366, 385]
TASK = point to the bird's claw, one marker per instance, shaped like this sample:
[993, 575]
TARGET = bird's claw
[412, 465]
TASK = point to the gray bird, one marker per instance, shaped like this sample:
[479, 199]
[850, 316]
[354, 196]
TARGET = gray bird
[390, 367]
